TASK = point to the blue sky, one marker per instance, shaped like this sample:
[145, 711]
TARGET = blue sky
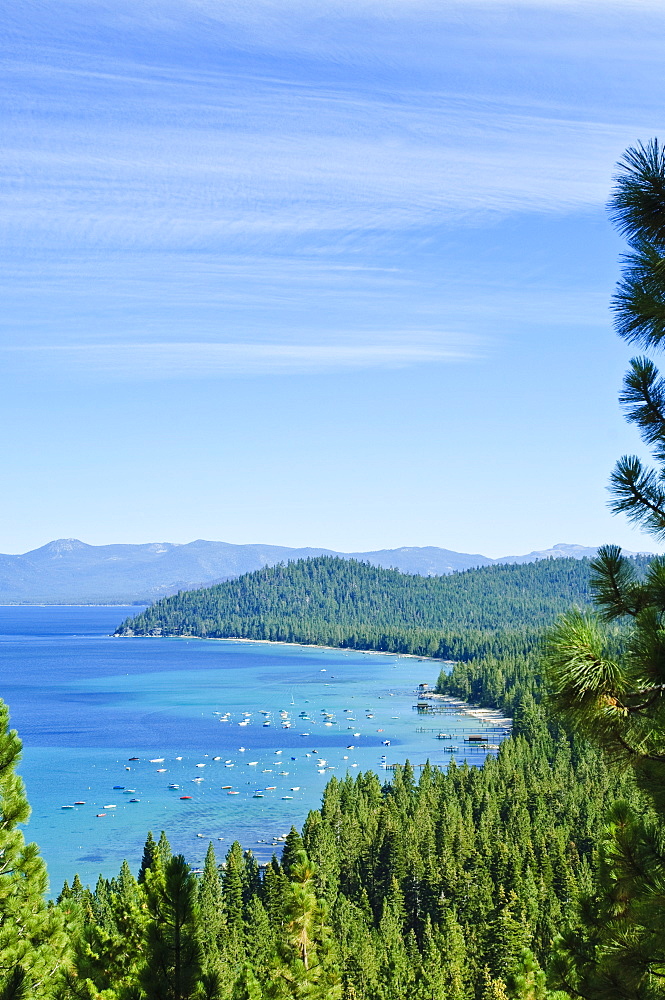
[316, 273]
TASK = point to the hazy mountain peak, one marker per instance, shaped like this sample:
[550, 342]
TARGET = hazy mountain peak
[70, 571]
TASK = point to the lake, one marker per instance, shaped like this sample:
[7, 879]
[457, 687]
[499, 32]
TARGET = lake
[84, 703]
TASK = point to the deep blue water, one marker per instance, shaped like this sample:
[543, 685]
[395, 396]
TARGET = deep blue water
[85, 702]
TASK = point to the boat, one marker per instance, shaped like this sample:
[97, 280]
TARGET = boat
[266, 723]
[270, 788]
[156, 760]
[252, 763]
[267, 770]
[216, 758]
[287, 796]
[233, 793]
[66, 807]
[99, 815]
[130, 791]
[258, 795]
[109, 807]
[134, 758]
[185, 796]
[200, 765]
[356, 735]
[227, 786]
[118, 788]
[284, 772]
[79, 803]
[296, 788]
[134, 800]
[174, 786]
[160, 770]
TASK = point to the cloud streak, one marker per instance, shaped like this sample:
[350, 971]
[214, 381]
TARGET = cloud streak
[157, 361]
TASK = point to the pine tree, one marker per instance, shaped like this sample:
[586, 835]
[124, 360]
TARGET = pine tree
[172, 957]
[149, 854]
[210, 912]
[306, 967]
[607, 672]
[33, 947]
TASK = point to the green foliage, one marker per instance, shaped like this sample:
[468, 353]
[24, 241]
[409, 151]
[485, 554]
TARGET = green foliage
[172, 956]
[339, 602]
[33, 945]
[607, 672]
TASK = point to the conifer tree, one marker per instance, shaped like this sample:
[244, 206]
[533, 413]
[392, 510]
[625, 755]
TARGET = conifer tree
[607, 672]
[149, 854]
[33, 946]
[306, 967]
[172, 954]
[210, 912]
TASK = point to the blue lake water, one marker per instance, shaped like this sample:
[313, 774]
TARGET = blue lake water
[84, 703]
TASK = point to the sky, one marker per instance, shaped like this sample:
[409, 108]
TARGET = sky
[324, 272]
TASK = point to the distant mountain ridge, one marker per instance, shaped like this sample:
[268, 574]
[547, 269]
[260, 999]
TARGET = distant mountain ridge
[69, 571]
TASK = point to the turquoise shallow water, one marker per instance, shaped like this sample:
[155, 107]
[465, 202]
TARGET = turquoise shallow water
[84, 703]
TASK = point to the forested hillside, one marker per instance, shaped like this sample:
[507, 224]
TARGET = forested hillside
[440, 886]
[337, 602]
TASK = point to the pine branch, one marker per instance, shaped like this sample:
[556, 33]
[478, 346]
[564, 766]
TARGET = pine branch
[614, 585]
[639, 301]
[638, 494]
[643, 399]
[637, 204]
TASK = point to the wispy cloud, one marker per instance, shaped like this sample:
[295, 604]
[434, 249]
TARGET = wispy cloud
[152, 361]
[118, 153]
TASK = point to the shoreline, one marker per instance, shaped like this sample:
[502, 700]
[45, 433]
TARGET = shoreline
[283, 642]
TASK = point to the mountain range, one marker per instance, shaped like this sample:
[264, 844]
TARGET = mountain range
[68, 571]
